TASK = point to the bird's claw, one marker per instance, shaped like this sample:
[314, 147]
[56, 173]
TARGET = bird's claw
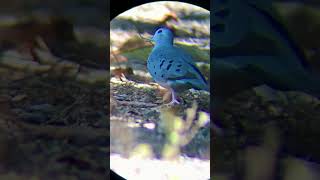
[173, 102]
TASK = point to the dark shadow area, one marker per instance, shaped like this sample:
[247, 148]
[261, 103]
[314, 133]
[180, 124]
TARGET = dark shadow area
[54, 89]
[266, 90]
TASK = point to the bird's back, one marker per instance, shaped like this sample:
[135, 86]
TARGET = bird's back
[173, 67]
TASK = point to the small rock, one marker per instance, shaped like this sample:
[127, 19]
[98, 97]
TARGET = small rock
[305, 98]
[46, 57]
[19, 97]
[275, 111]
[266, 93]
[18, 110]
[45, 108]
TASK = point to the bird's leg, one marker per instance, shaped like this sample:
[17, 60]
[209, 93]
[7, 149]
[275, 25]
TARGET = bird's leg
[174, 98]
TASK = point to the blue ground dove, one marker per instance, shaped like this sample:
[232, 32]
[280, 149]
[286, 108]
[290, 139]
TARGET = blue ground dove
[171, 67]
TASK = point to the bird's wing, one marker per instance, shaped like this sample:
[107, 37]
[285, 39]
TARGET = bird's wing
[186, 73]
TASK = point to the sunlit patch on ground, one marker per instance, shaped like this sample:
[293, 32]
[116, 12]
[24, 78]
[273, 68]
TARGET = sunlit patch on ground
[138, 169]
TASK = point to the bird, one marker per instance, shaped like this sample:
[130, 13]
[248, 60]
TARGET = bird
[173, 68]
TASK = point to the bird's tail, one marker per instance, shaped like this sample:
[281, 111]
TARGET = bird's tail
[313, 86]
[207, 88]
[200, 83]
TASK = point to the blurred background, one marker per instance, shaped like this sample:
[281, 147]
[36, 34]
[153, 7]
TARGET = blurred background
[144, 135]
[53, 95]
[269, 133]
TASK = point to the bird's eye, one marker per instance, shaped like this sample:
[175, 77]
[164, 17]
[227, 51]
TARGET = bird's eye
[159, 31]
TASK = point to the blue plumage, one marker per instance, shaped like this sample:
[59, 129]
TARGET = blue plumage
[172, 67]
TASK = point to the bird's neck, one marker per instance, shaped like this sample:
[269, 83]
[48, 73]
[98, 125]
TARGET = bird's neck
[164, 42]
[168, 45]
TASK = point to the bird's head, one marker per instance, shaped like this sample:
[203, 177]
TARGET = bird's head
[163, 36]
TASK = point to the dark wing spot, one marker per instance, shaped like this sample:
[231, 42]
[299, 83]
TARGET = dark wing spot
[218, 28]
[155, 73]
[154, 66]
[168, 67]
[171, 61]
[222, 13]
[162, 75]
[189, 75]
[160, 31]
[178, 70]
[179, 65]
[162, 63]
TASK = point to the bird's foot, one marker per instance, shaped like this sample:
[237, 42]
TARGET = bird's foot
[173, 102]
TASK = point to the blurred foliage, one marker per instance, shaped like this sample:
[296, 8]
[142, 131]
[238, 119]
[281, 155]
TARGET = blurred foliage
[141, 53]
[180, 132]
